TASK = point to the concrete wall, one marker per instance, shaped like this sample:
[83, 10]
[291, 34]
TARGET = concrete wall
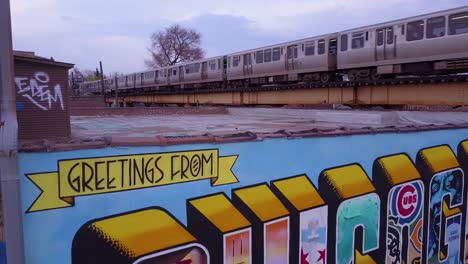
[379, 198]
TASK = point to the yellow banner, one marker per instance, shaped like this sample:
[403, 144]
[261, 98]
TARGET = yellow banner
[80, 177]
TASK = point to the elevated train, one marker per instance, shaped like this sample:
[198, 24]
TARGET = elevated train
[430, 44]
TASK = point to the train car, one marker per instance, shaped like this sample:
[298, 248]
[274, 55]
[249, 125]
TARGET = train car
[307, 59]
[130, 82]
[426, 44]
[206, 72]
[121, 82]
[93, 87]
[110, 85]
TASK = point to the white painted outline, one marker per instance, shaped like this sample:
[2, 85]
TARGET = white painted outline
[38, 87]
[326, 229]
[441, 208]
[402, 226]
[353, 260]
[225, 236]
[264, 237]
[161, 253]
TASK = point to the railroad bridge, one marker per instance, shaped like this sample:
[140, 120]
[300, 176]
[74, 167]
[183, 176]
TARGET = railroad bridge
[440, 90]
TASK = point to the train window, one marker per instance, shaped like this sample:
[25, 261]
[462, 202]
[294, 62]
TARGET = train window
[332, 46]
[156, 74]
[458, 23]
[310, 48]
[390, 36]
[235, 61]
[435, 27]
[357, 41]
[344, 42]
[247, 59]
[197, 67]
[415, 30]
[321, 47]
[403, 29]
[219, 64]
[213, 65]
[149, 75]
[229, 62]
[276, 54]
[292, 52]
[380, 37]
[267, 55]
[259, 57]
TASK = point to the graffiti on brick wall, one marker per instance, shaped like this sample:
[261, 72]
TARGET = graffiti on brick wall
[39, 91]
[402, 211]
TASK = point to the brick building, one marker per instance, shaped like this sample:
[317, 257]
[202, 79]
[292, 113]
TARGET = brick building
[42, 102]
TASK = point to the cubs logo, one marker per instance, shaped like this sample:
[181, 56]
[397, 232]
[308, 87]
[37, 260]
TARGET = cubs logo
[406, 202]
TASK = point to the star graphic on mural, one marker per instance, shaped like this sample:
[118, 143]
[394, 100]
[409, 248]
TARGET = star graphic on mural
[322, 256]
[304, 257]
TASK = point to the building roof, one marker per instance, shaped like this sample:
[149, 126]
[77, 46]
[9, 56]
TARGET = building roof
[30, 56]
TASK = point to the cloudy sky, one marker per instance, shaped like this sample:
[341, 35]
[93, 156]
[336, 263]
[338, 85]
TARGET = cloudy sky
[117, 32]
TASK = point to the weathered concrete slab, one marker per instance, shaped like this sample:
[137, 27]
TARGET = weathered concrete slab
[255, 120]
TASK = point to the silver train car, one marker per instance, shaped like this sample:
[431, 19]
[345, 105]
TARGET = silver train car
[306, 59]
[430, 44]
[197, 73]
[426, 44]
[93, 87]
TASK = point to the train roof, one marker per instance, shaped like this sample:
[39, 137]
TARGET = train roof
[401, 20]
[334, 34]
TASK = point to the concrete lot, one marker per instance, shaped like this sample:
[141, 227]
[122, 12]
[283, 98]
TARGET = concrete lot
[255, 120]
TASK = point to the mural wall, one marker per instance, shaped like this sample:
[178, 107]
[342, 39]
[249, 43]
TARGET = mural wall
[385, 198]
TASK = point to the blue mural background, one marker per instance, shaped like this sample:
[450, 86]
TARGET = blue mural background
[48, 234]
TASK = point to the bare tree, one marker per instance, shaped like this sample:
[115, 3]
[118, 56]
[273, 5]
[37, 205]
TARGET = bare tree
[114, 74]
[173, 45]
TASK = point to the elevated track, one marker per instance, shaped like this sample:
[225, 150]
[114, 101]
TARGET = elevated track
[439, 90]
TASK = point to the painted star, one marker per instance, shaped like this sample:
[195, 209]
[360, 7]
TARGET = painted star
[322, 256]
[304, 257]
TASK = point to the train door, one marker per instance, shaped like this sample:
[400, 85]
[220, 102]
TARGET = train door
[169, 74]
[174, 75]
[204, 73]
[181, 73]
[385, 44]
[291, 57]
[225, 65]
[247, 63]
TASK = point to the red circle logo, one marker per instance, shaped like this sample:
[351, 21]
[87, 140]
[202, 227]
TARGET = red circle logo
[407, 200]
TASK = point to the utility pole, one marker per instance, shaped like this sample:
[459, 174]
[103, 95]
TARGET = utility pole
[116, 93]
[73, 84]
[9, 180]
[102, 82]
